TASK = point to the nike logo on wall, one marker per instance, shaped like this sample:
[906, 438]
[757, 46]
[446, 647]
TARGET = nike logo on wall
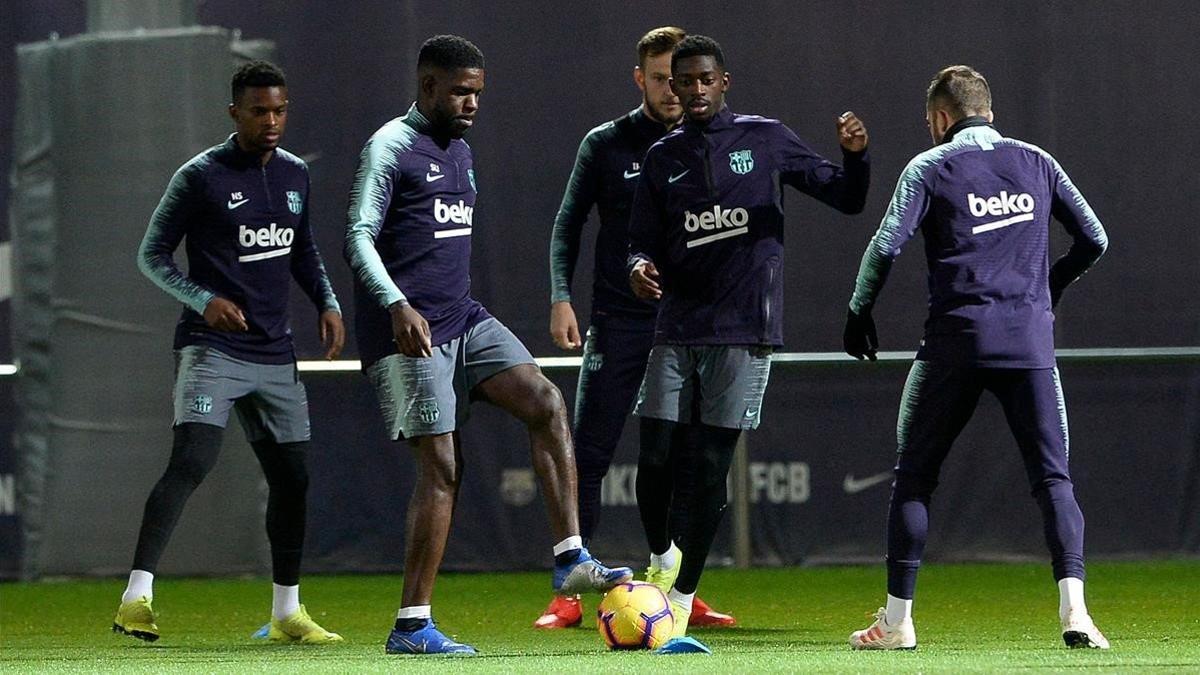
[632, 174]
[854, 485]
[233, 205]
[430, 177]
[672, 179]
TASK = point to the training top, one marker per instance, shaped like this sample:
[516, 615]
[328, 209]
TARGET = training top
[246, 229]
[709, 213]
[408, 234]
[605, 175]
[983, 203]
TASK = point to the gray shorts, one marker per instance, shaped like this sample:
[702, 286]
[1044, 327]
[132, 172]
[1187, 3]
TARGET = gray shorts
[427, 396]
[270, 399]
[717, 385]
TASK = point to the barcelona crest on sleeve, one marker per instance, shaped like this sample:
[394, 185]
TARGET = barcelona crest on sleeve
[471, 177]
[741, 161]
[295, 204]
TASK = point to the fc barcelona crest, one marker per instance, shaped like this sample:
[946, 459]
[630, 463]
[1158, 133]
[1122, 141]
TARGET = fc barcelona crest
[427, 411]
[295, 204]
[471, 177]
[741, 161]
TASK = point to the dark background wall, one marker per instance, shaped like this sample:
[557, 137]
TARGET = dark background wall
[1105, 86]
[1101, 85]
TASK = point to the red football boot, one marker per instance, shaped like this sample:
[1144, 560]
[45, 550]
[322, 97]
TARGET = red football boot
[563, 612]
[707, 617]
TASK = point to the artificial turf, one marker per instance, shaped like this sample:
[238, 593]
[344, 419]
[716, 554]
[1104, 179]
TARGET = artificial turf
[969, 618]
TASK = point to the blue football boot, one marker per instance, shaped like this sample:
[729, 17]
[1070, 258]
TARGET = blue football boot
[426, 640]
[585, 573]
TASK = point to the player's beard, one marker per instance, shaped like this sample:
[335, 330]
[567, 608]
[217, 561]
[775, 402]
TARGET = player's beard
[659, 113]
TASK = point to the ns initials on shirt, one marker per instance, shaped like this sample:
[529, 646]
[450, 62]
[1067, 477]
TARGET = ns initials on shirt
[279, 238]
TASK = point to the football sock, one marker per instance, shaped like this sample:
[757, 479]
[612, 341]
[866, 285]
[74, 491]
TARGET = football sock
[413, 618]
[285, 601]
[141, 583]
[655, 481]
[283, 465]
[567, 550]
[682, 599]
[898, 609]
[713, 453]
[193, 455]
[1070, 597]
[907, 530]
[665, 560]
[681, 482]
[1062, 523]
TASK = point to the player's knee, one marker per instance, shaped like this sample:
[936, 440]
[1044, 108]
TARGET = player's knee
[440, 468]
[546, 403]
[910, 486]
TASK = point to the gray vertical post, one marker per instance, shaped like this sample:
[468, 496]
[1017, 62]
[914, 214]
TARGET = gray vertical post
[741, 503]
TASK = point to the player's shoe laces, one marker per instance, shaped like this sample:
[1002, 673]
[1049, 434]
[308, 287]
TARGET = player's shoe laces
[563, 612]
[681, 615]
[298, 628]
[426, 640]
[136, 618]
[882, 635]
[586, 573]
[662, 577]
[1080, 633]
[704, 616]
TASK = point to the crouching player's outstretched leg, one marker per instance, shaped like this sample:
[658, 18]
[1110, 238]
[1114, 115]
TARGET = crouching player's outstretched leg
[526, 394]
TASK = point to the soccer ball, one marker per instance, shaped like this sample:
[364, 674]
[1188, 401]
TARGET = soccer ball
[635, 615]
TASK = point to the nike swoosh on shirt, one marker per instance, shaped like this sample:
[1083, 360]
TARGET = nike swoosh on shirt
[672, 179]
[430, 177]
[854, 485]
[632, 174]
[233, 205]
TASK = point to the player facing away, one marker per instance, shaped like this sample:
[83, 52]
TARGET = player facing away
[242, 206]
[983, 203]
[622, 325]
[706, 236]
[429, 348]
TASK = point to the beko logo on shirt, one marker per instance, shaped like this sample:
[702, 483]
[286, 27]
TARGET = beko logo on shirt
[459, 213]
[732, 221]
[1018, 206]
[715, 219]
[279, 237]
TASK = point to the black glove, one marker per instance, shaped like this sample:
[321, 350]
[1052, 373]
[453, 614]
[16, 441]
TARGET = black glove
[859, 339]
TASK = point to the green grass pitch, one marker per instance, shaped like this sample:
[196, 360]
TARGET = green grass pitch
[970, 618]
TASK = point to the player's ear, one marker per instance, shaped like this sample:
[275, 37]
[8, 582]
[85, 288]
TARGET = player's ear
[233, 111]
[727, 79]
[990, 117]
[428, 84]
[639, 76]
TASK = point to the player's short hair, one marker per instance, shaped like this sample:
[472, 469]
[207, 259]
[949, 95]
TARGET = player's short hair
[255, 74]
[449, 52]
[659, 41]
[962, 90]
[698, 45]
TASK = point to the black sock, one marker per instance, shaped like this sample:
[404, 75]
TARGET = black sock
[655, 480]
[409, 625]
[193, 455]
[713, 453]
[283, 464]
[567, 557]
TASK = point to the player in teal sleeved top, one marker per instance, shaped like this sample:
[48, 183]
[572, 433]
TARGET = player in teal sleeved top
[241, 209]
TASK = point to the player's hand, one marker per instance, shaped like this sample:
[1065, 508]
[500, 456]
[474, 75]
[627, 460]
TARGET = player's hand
[852, 134]
[223, 314]
[644, 281]
[564, 327]
[332, 333]
[859, 339]
[410, 330]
